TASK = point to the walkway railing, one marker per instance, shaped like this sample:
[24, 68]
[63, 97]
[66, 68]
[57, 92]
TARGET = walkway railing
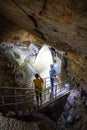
[10, 96]
[59, 89]
[30, 84]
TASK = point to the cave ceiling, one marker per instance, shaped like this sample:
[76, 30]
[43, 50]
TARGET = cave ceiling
[59, 23]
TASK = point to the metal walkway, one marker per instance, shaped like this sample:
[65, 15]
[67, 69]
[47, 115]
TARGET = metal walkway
[10, 96]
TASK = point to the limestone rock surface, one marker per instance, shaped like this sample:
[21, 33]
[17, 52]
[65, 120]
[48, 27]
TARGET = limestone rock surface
[62, 24]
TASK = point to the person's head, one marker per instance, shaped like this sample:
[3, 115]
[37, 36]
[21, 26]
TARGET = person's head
[37, 75]
[51, 66]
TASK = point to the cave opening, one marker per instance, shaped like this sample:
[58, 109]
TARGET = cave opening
[64, 34]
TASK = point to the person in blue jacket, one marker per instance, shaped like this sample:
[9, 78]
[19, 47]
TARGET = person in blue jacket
[52, 76]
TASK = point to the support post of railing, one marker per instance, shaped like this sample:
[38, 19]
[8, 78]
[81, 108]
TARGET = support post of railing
[45, 84]
[3, 100]
[45, 90]
[44, 94]
[15, 100]
[55, 90]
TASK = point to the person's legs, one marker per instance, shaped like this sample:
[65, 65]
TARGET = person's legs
[52, 84]
[37, 98]
[40, 97]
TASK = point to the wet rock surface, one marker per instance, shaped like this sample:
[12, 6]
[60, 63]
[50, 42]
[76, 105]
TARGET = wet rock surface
[74, 116]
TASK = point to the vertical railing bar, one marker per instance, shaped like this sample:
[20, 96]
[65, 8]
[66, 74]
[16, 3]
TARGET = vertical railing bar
[15, 100]
[55, 91]
[45, 91]
[3, 101]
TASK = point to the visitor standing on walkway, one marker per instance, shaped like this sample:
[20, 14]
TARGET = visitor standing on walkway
[52, 76]
[38, 83]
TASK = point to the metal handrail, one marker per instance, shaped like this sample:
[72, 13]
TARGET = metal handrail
[45, 94]
[31, 82]
[16, 88]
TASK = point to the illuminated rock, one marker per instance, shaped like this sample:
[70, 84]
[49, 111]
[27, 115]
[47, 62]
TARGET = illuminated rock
[43, 61]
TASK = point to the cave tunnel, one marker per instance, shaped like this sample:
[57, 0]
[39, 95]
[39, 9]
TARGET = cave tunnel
[33, 36]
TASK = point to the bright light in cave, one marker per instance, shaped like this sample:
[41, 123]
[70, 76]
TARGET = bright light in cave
[40, 60]
[43, 61]
[30, 60]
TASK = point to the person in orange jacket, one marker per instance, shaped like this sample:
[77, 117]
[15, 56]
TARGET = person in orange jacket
[38, 83]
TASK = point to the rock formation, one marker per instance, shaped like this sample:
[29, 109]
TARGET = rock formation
[13, 124]
[61, 23]
[75, 111]
[58, 23]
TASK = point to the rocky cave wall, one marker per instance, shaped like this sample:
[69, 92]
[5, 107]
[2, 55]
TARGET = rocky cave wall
[7, 28]
[62, 24]
[6, 79]
[76, 66]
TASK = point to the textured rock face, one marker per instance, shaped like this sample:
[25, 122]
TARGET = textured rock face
[38, 121]
[76, 108]
[7, 28]
[62, 24]
[12, 124]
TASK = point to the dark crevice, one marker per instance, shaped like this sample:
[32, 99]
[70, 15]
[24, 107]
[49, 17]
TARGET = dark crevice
[54, 30]
[41, 34]
[63, 46]
[18, 6]
[31, 17]
[34, 21]
[79, 34]
[82, 80]
[44, 6]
